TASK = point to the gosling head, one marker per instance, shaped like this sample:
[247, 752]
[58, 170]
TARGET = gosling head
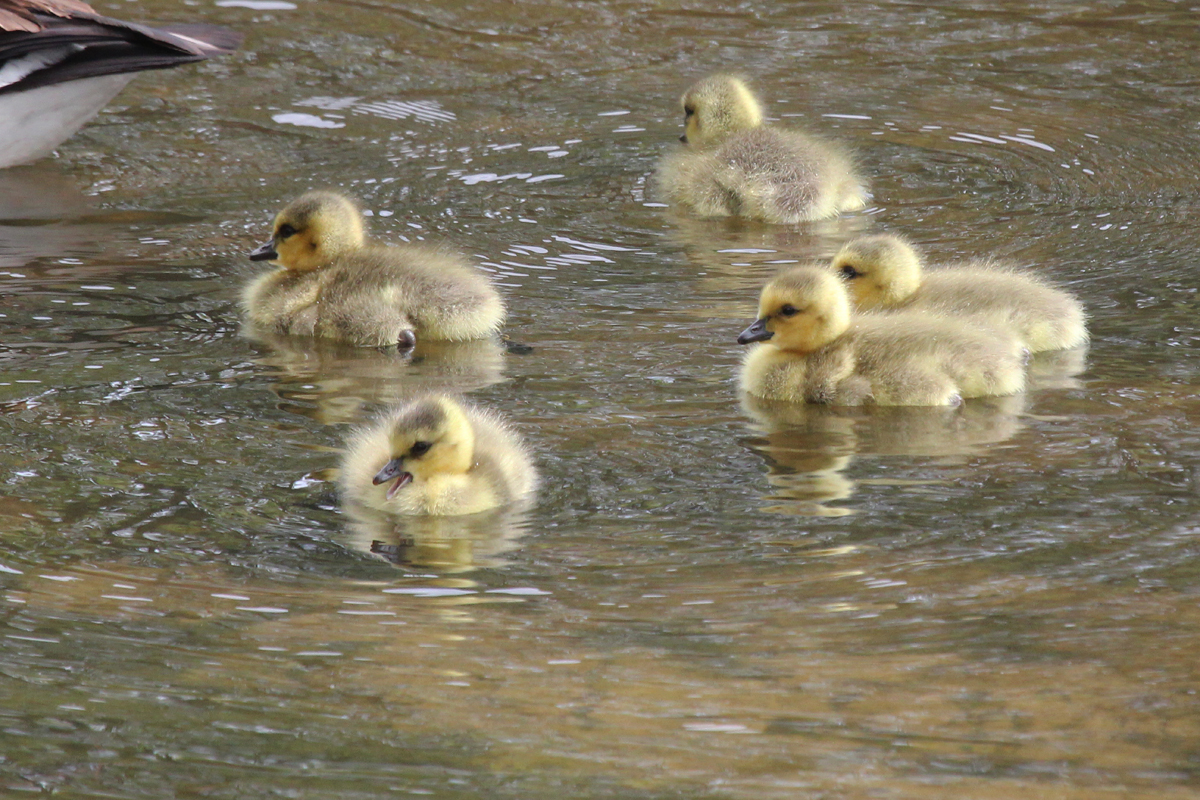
[717, 106]
[880, 271]
[429, 437]
[312, 231]
[800, 311]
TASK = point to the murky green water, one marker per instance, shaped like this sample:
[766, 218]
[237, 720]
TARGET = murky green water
[712, 599]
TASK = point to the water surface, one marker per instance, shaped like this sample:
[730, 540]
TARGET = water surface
[713, 598]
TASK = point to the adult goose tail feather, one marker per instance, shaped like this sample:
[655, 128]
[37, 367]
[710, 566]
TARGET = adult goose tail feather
[91, 45]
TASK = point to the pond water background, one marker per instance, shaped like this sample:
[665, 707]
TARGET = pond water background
[712, 598]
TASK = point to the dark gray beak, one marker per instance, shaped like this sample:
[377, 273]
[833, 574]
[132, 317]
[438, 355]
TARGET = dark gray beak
[755, 333]
[394, 469]
[390, 470]
[683, 138]
[264, 252]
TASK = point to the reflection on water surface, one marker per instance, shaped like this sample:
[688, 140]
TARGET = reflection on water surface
[711, 599]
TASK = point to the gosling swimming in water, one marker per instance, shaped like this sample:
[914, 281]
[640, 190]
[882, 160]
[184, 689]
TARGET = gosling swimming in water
[733, 164]
[331, 283]
[437, 456]
[885, 272]
[813, 350]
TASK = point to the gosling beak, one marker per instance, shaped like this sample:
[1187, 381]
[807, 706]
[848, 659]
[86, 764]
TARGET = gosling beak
[392, 469]
[683, 138]
[265, 252]
[755, 333]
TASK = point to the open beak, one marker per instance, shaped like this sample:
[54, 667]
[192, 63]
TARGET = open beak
[265, 252]
[394, 469]
[755, 333]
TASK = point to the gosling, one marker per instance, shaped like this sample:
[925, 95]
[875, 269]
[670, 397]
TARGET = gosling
[436, 456]
[814, 351]
[735, 165]
[884, 272]
[330, 283]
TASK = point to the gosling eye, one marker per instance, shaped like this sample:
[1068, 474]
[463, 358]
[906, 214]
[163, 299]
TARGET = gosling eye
[285, 231]
[419, 449]
[688, 111]
[850, 273]
[788, 311]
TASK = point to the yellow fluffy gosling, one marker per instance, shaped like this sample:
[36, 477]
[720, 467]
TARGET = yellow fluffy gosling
[813, 350]
[884, 272]
[331, 283]
[436, 456]
[732, 164]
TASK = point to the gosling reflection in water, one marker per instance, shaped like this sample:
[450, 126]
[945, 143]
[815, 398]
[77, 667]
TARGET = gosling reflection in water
[333, 383]
[738, 256]
[437, 482]
[808, 448]
[1057, 369]
[446, 544]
